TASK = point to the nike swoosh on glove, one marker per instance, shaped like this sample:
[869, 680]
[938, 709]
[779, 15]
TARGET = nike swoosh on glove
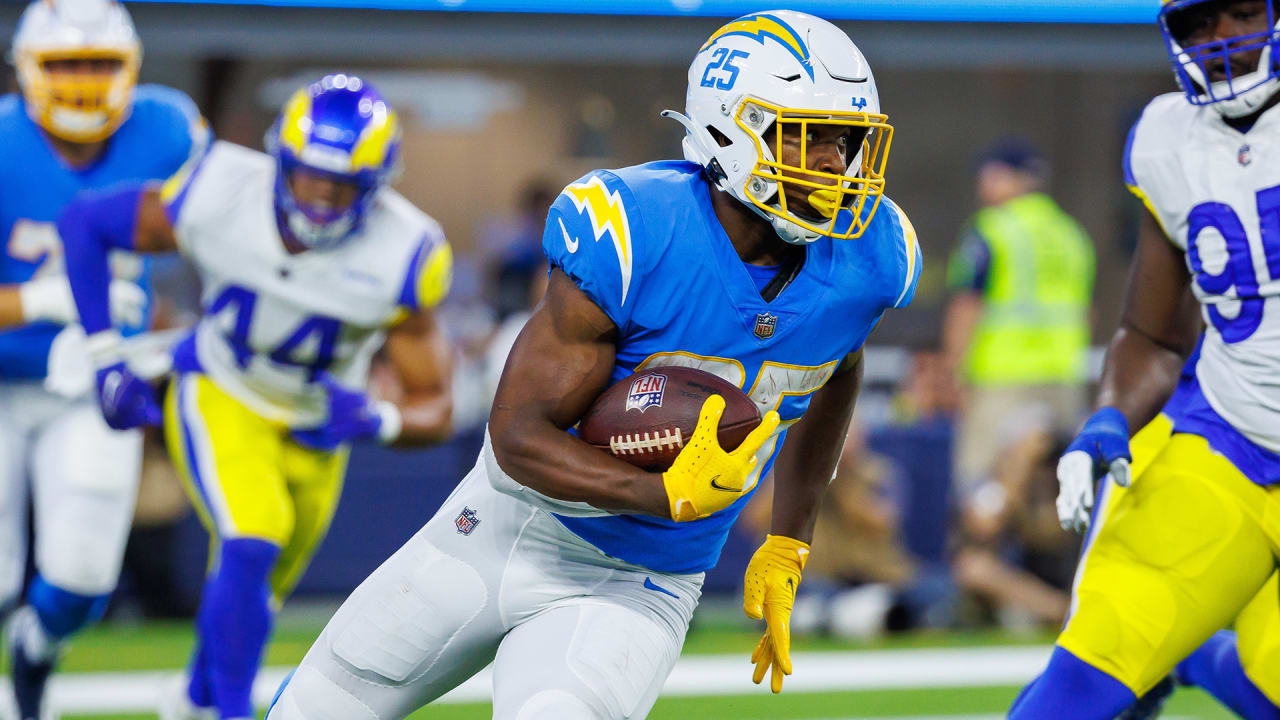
[704, 478]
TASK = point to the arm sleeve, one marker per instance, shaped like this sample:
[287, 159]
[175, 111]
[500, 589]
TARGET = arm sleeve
[591, 236]
[92, 225]
[430, 273]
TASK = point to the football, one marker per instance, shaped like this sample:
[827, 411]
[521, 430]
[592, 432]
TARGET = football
[646, 418]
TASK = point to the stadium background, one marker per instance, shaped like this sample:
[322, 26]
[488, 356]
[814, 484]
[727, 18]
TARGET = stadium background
[495, 101]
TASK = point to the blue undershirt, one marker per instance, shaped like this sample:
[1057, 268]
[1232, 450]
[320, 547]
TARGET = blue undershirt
[761, 274]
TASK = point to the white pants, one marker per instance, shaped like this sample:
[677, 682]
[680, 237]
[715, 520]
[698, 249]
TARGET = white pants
[573, 633]
[83, 480]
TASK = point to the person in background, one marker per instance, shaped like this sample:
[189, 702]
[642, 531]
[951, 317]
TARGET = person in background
[1013, 556]
[1016, 331]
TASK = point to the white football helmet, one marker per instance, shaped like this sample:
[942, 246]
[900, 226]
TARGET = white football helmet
[73, 106]
[786, 72]
[1236, 96]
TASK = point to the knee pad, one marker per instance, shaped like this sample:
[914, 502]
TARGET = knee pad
[555, 705]
[63, 612]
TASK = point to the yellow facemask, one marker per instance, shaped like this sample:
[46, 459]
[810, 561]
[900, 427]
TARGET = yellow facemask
[827, 193]
[79, 107]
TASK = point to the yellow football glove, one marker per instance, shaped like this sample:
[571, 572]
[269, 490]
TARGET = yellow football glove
[772, 578]
[704, 479]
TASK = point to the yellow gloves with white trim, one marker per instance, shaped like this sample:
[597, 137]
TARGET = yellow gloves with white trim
[704, 479]
[772, 578]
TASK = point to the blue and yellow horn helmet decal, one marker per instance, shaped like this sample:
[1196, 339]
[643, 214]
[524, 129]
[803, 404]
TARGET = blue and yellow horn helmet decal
[762, 26]
[342, 128]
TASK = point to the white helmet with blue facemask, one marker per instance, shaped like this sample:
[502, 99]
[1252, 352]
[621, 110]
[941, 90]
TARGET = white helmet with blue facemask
[1195, 55]
[776, 72]
[340, 128]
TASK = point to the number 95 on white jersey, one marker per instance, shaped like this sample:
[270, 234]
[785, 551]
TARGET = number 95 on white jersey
[1216, 194]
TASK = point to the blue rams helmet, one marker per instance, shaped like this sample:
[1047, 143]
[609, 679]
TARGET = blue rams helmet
[339, 127]
[1191, 35]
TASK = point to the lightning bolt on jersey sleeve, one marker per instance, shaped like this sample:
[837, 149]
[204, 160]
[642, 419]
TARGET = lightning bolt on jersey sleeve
[909, 259]
[592, 235]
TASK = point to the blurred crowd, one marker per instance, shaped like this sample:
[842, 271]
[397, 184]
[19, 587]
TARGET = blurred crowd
[941, 513]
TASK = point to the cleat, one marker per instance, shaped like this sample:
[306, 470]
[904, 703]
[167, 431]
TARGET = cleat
[29, 681]
[1149, 705]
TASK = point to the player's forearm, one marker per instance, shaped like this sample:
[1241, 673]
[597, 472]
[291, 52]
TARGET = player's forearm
[1138, 376]
[541, 456]
[808, 460]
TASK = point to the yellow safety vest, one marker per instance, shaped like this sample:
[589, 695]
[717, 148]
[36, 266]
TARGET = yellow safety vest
[1035, 322]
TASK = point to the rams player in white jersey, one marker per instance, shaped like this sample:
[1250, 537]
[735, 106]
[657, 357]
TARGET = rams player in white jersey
[309, 263]
[1181, 553]
[80, 122]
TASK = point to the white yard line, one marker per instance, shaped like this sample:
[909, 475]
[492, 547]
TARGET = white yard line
[693, 676]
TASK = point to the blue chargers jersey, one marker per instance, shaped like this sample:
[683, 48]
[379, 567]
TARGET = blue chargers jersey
[161, 132]
[645, 245]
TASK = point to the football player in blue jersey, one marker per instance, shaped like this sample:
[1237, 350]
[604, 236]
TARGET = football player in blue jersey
[766, 257]
[79, 123]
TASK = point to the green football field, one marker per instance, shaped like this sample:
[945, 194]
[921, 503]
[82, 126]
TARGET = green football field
[950, 682]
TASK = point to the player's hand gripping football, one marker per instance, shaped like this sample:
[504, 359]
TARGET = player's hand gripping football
[769, 592]
[704, 478]
[1101, 448]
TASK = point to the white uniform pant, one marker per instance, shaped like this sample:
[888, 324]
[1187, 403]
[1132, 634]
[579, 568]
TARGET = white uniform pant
[82, 477]
[573, 633]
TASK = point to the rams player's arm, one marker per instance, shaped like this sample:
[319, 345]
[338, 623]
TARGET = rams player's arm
[807, 461]
[1157, 332]
[560, 363]
[128, 218]
[420, 355]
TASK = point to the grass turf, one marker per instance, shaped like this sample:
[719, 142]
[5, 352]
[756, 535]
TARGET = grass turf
[165, 646]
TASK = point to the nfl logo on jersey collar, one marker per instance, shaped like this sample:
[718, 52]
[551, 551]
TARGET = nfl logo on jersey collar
[467, 521]
[1244, 156]
[646, 392]
[766, 323]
